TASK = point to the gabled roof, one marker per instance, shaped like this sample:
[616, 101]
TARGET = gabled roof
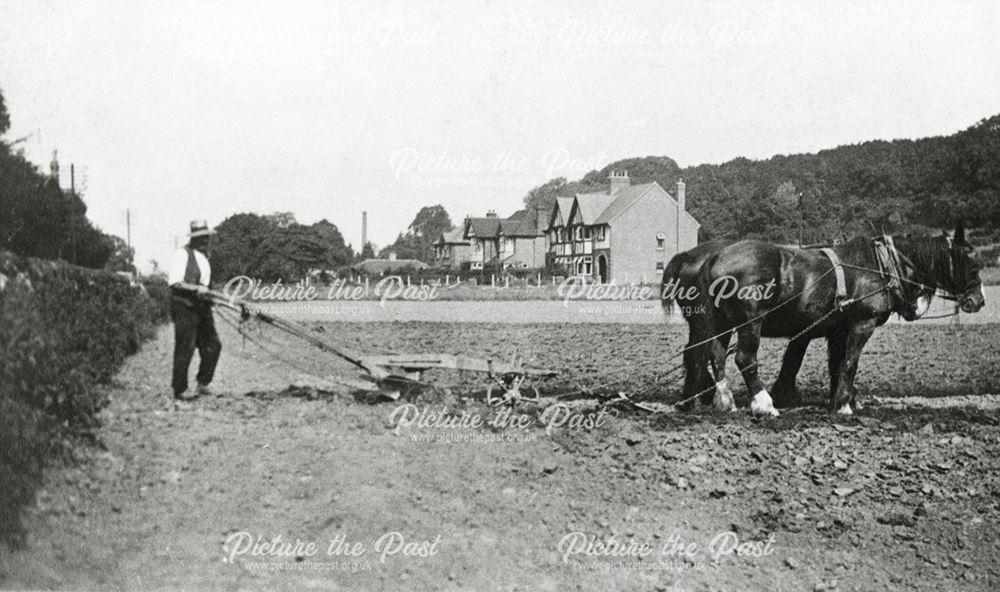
[560, 213]
[588, 206]
[487, 227]
[600, 208]
[455, 236]
[524, 223]
[521, 227]
[624, 198]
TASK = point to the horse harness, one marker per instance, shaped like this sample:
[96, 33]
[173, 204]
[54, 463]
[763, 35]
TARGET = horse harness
[890, 268]
[838, 270]
[890, 263]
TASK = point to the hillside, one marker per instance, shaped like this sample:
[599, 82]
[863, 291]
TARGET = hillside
[898, 186]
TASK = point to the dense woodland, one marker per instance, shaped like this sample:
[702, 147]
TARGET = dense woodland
[897, 186]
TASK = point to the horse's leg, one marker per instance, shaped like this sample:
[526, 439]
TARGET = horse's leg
[696, 377]
[746, 360]
[785, 393]
[719, 352]
[836, 347]
[702, 379]
[857, 337]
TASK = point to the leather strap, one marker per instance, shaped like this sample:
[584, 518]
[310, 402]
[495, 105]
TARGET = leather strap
[838, 270]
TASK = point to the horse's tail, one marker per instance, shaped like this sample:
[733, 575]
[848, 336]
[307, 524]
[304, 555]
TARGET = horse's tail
[671, 277]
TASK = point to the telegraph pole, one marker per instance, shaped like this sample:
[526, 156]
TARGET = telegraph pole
[128, 227]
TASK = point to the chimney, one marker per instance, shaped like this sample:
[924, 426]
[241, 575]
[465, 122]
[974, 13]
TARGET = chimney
[491, 214]
[680, 211]
[619, 180]
[364, 229]
[54, 166]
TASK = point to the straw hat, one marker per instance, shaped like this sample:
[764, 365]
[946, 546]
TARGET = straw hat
[200, 228]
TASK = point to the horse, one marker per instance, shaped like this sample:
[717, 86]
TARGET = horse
[681, 275]
[756, 289]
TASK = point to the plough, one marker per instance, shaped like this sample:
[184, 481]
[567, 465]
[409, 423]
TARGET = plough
[393, 373]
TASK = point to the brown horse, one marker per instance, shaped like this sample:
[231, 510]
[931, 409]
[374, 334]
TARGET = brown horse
[755, 289]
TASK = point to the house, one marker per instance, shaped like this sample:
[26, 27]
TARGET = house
[451, 249]
[521, 240]
[623, 235]
[483, 235]
[514, 242]
[390, 266]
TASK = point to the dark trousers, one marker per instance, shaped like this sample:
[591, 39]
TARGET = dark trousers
[194, 327]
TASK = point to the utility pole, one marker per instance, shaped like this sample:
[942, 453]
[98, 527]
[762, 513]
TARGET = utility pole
[128, 227]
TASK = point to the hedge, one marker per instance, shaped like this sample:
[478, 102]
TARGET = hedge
[64, 332]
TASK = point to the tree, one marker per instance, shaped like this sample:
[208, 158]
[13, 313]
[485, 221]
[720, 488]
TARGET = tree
[122, 256]
[261, 247]
[544, 196]
[4, 116]
[239, 245]
[430, 222]
[337, 253]
[418, 241]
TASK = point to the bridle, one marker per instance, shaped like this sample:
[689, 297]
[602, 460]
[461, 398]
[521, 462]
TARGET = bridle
[892, 268]
[891, 262]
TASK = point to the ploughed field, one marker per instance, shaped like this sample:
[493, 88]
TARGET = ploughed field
[905, 495]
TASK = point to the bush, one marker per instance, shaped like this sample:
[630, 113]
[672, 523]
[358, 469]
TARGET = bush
[64, 330]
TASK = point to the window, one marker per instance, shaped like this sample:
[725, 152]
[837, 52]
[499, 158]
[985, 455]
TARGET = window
[600, 233]
[586, 233]
[659, 267]
[661, 241]
[579, 233]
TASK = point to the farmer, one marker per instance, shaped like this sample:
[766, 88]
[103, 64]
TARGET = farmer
[191, 311]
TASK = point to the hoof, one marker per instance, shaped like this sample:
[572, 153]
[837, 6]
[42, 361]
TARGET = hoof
[762, 405]
[845, 410]
[724, 397]
[786, 398]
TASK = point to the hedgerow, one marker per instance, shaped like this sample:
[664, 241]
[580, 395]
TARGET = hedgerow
[64, 332]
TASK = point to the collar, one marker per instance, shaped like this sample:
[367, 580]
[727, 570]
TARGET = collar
[891, 268]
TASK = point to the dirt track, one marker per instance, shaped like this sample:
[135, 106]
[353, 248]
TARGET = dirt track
[905, 496]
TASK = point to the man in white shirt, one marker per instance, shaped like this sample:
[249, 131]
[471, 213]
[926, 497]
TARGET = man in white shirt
[194, 326]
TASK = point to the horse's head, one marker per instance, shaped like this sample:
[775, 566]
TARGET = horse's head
[964, 282]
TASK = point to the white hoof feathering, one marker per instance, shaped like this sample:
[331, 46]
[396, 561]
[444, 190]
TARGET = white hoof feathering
[724, 397]
[846, 410]
[763, 405]
[923, 304]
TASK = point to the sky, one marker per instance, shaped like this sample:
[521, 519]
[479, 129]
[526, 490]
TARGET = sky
[182, 110]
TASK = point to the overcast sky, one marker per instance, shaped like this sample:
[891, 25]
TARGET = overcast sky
[182, 110]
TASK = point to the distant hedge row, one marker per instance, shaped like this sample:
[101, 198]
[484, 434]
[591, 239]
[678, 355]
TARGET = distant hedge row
[64, 331]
